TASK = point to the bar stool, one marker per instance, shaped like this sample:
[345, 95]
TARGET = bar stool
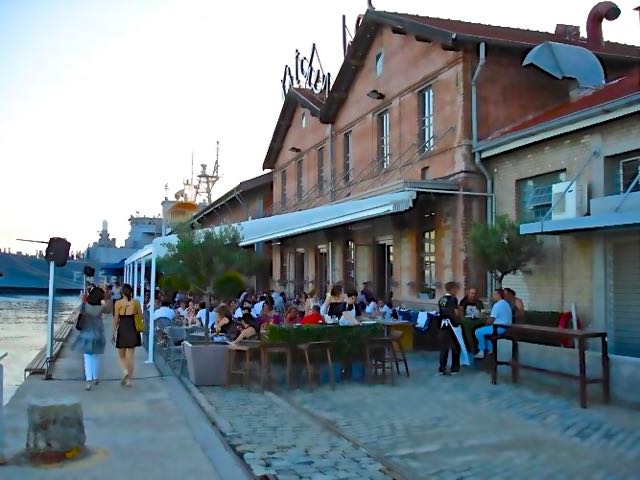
[395, 340]
[380, 354]
[243, 369]
[277, 348]
[312, 347]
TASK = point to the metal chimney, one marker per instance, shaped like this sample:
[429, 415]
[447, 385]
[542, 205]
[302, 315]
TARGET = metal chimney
[600, 11]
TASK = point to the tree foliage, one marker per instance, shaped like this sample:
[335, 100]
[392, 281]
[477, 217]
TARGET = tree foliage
[501, 250]
[208, 262]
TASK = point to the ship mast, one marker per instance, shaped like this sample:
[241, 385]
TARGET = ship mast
[206, 181]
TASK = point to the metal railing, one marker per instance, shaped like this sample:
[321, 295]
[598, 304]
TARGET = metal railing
[371, 172]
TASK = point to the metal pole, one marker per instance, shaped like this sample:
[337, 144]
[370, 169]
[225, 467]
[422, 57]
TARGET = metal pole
[52, 272]
[142, 279]
[152, 304]
[135, 279]
[2, 459]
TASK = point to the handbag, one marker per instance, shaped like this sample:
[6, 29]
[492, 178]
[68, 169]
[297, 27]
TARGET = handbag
[137, 318]
[80, 320]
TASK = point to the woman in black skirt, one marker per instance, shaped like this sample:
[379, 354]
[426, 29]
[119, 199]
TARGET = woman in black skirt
[125, 336]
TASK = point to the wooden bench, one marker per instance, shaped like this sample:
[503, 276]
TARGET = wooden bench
[63, 331]
[531, 334]
[38, 366]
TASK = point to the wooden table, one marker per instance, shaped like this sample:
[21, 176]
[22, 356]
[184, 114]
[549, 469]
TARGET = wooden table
[403, 326]
[524, 333]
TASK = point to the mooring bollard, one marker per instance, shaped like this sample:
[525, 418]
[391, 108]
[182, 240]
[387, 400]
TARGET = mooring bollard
[56, 431]
[3, 355]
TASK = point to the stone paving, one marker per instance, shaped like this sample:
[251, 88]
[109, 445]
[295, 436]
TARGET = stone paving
[274, 439]
[429, 426]
[464, 427]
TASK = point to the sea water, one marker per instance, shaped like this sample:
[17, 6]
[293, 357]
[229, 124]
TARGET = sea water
[23, 331]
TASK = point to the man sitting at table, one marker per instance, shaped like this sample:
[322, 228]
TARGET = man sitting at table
[165, 311]
[500, 315]
[314, 318]
[471, 305]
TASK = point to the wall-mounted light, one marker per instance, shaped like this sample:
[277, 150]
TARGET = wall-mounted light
[294, 150]
[375, 94]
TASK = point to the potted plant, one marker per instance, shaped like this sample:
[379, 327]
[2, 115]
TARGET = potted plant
[209, 262]
[427, 292]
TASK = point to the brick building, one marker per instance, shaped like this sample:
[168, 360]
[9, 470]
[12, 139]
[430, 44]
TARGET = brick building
[591, 234]
[380, 173]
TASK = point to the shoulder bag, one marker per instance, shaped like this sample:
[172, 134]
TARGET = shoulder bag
[80, 319]
[137, 317]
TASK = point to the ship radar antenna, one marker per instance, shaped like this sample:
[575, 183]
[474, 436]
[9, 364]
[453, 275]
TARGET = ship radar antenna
[206, 181]
[166, 191]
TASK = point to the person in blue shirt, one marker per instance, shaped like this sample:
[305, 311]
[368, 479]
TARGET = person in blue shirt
[501, 314]
[449, 318]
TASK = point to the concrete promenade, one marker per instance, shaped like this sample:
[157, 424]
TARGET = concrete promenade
[153, 430]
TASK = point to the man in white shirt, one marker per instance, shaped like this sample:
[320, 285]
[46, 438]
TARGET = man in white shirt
[501, 314]
[165, 311]
[257, 308]
[202, 314]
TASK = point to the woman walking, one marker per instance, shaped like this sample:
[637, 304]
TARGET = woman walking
[124, 335]
[91, 339]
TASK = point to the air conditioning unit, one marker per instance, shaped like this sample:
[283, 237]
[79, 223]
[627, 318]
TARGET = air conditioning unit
[573, 204]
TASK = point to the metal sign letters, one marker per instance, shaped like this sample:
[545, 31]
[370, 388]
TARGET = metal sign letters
[305, 74]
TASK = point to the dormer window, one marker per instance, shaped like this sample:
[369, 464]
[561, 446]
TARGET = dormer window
[303, 119]
[379, 63]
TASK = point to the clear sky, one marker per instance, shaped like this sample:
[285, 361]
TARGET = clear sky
[103, 101]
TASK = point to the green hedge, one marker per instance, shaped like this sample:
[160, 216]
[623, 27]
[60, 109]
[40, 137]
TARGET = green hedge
[347, 343]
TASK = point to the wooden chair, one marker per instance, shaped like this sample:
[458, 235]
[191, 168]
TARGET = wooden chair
[312, 347]
[240, 352]
[267, 350]
[380, 354]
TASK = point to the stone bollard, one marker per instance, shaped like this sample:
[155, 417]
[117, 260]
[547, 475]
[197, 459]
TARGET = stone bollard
[56, 431]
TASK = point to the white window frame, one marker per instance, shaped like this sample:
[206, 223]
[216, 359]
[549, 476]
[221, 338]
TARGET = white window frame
[622, 180]
[299, 179]
[346, 156]
[320, 169]
[426, 118]
[383, 137]
[303, 119]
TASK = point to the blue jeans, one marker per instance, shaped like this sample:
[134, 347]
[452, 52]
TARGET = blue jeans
[483, 343]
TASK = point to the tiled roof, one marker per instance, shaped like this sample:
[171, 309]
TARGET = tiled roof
[614, 90]
[317, 100]
[481, 31]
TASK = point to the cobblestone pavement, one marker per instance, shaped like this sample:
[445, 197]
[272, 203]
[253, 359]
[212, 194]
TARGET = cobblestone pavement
[463, 427]
[275, 439]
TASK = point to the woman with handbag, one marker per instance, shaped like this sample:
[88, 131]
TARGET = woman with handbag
[90, 341]
[127, 325]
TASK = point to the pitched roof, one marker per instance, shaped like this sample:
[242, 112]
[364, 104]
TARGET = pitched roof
[613, 90]
[242, 187]
[451, 34]
[295, 97]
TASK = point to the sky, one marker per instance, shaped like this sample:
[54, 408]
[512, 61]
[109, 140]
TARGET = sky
[102, 102]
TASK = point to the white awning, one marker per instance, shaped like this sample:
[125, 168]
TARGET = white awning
[591, 222]
[325, 216]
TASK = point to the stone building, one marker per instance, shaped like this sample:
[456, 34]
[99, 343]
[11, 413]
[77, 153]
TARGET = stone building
[390, 148]
[590, 148]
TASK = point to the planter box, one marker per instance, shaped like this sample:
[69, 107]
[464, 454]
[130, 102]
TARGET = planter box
[206, 363]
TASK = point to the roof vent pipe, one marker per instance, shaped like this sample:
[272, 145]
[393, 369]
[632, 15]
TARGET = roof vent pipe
[601, 11]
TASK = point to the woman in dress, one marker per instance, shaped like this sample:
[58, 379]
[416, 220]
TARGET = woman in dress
[124, 335]
[91, 339]
[335, 302]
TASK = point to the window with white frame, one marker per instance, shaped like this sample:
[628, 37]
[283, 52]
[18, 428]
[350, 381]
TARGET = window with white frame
[320, 159]
[303, 119]
[535, 195]
[384, 138]
[299, 179]
[428, 259]
[425, 119]
[379, 65]
[346, 157]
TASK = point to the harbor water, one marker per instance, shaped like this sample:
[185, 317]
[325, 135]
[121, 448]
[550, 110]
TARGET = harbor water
[23, 331]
